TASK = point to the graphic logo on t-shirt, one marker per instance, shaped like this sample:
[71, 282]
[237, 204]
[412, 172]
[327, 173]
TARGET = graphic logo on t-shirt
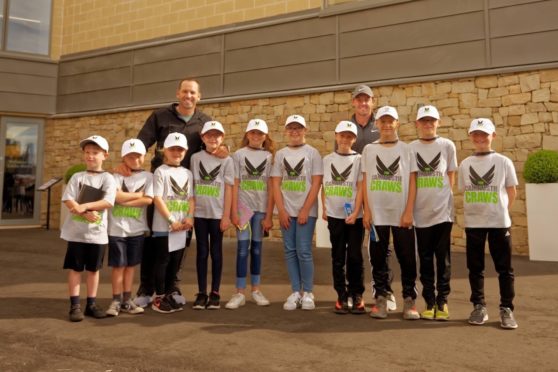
[338, 186]
[179, 201]
[207, 186]
[386, 179]
[480, 189]
[125, 211]
[428, 175]
[253, 179]
[293, 180]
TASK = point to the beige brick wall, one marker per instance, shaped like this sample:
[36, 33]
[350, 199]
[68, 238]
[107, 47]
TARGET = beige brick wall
[83, 25]
[524, 107]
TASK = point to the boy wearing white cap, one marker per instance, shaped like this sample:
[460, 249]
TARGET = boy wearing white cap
[173, 197]
[213, 179]
[489, 182]
[252, 192]
[388, 205]
[342, 209]
[127, 226]
[297, 176]
[87, 196]
[435, 166]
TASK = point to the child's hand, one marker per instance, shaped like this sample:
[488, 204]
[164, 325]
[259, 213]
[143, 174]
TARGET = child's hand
[225, 223]
[91, 216]
[324, 213]
[235, 220]
[367, 220]
[284, 219]
[303, 216]
[406, 220]
[187, 223]
[175, 226]
[79, 209]
[351, 219]
[267, 223]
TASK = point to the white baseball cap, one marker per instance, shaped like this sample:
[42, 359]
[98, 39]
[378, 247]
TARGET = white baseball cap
[133, 145]
[98, 140]
[428, 111]
[346, 126]
[387, 110]
[296, 119]
[211, 125]
[483, 124]
[176, 139]
[257, 124]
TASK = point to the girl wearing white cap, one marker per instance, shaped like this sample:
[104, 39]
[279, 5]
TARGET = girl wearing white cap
[213, 179]
[252, 208]
[297, 176]
[127, 226]
[174, 205]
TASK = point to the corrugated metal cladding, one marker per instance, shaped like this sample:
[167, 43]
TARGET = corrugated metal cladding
[412, 39]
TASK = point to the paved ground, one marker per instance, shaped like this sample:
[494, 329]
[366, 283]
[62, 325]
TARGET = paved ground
[35, 334]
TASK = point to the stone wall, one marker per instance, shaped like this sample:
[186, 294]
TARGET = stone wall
[524, 107]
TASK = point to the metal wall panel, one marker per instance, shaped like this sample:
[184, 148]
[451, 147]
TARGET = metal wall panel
[525, 49]
[176, 69]
[102, 99]
[87, 64]
[27, 103]
[188, 48]
[524, 19]
[94, 81]
[166, 91]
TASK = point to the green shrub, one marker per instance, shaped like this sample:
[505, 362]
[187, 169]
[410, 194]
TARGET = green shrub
[541, 167]
[73, 169]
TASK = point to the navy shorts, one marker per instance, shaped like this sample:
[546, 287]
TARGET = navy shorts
[125, 251]
[80, 256]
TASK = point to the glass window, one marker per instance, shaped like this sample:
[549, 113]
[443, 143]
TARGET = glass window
[28, 28]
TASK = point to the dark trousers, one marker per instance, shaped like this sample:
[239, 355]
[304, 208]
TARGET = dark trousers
[435, 242]
[499, 245]
[166, 265]
[346, 251]
[404, 244]
[209, 241]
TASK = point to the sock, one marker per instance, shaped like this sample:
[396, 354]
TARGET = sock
[91, 301]
[117, 297]
[126, 296]
[74, 300]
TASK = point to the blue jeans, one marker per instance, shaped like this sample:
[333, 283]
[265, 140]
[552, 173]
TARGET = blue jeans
[249, 239]
[297, 241]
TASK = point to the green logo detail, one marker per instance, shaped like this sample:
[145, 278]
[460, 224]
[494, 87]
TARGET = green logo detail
[387, 171]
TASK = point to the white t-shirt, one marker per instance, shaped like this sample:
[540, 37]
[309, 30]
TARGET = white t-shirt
[484, 180]
[296, 166]
[77, 228]
[130, 221]
[434, 201]
[341, 176]
[387, 180]
[252, 168]
[210, 176]
[175, 186]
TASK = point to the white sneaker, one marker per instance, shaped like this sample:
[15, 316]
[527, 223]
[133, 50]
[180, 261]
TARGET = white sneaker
[114, 308]
[237, 300]
[259, 298]
[293, 301]
[391, 304]
[143, 301]
[308, 301]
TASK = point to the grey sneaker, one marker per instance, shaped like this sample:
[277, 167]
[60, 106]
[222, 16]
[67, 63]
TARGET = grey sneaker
[131, 308]
[114, 308]
[379, 309]
[76, 315]
[479, 315]
[391, 304]
[409, 309]
[507, 318]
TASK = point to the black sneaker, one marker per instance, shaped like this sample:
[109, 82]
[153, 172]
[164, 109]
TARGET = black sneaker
[173, 304]
[95, 311]
[76, 315]
[342, 305]
[161, 305]
[200, 302]
[214, 301]
[358, 305]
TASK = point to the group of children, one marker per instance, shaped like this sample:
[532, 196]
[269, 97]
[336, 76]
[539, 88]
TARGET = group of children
[393, 188]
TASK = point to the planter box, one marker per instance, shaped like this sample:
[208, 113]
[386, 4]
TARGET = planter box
[542, 220]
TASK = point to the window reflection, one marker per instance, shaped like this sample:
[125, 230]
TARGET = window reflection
[28, 28]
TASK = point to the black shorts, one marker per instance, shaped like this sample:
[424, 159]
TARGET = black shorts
[125, 251]
[80, 256]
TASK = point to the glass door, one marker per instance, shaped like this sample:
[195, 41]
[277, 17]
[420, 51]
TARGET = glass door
[21, 157]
